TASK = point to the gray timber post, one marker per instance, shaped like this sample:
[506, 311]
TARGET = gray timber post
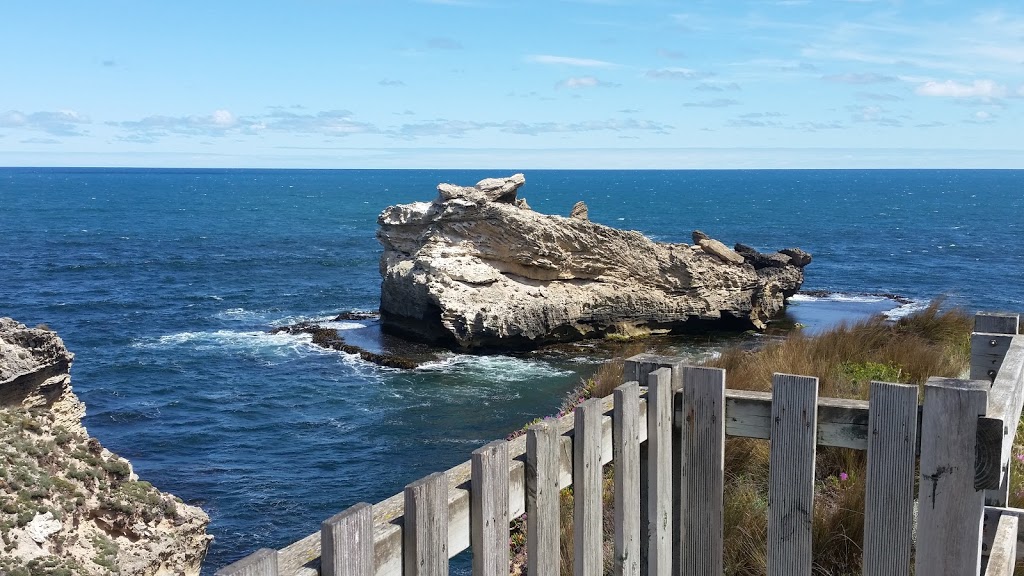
[889, 493]
[1003, 556]
[656, 499]
[638, 368]
[990, 342]
[488, 506]
[791, 475]
[542, 500]
[950, 509]
[425, 527]
[262, 562]
[626, 455]
[702, 478]
[346, 542]
[588, 489]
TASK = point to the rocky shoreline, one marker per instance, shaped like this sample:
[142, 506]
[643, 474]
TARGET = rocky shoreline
[67, 504]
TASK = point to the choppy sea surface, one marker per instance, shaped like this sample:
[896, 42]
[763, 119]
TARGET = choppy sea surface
[164, 283]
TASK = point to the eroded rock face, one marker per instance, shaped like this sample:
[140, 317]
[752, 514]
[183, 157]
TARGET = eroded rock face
[109, 521]
[473, 269]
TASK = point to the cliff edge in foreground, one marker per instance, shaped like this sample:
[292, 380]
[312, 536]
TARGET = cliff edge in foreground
[476, 268]
[68, 505]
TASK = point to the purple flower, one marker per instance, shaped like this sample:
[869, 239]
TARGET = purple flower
[1020, 457]
[843, 476]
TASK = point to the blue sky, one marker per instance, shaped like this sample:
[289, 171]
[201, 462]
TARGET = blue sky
[501, 84]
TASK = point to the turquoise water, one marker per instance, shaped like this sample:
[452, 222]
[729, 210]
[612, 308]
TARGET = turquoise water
[165, 282]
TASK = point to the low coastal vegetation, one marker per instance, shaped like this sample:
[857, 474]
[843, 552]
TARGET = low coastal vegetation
[931, 342]
[51, 477]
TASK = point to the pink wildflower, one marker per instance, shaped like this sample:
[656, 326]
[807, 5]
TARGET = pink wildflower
[843, 476]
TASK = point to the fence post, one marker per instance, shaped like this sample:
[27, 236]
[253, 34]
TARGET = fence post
[626, 455]
[702, 465]
[889, 492]
[587, 490]
[346, 542]
[488, 524]
[542, 500]
[950, 510]
[791, 474]
[656, 500]
[990, 341]
[262, 562]
[425, 529]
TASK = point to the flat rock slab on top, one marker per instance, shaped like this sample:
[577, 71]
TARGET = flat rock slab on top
[477, 269]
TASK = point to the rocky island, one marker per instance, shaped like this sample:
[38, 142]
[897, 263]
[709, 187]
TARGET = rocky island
[476, 268]
[67, 504]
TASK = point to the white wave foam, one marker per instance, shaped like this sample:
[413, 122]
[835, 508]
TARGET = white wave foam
[495, 368]
[905, 309]
[341, 325]
[262, 343]
[238, 314]
[838, 297]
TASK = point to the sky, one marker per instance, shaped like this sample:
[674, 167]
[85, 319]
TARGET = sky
[502, 84]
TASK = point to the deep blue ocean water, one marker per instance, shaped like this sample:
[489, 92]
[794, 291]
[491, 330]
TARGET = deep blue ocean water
[165, 282]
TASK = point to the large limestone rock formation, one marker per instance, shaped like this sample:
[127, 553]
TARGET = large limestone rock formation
[68, 505]
[475, 269]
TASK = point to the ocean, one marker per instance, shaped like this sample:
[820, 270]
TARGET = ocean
[165, 284]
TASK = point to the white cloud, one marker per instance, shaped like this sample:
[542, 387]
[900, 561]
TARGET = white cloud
[59, 123]
[673, 73]
[861, 78]
[953, 89]
[224, 118]
[584, 82]
[569, 61]
[218, 123]
[716, 103]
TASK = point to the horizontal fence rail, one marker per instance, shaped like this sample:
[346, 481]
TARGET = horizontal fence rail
[665, 429]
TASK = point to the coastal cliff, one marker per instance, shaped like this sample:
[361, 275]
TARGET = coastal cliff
[477, 268]
[68, 505]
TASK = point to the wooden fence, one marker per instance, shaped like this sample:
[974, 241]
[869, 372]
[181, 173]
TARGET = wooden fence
[667, 440]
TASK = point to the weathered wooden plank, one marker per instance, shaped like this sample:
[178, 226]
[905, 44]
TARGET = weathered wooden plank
[587, 490]
[990, 522]
[346, 542]
[996, 322]
[626, 455]
[702, 460]
[489, 531]
[987, 353]
[638, 368]
[542, 500]
[1003, 554]
[791, 475]
[1006, 397]
[262, 562]
[426, 526]
[659, 489]
[950, 509]
[841, 422]
[889, 497]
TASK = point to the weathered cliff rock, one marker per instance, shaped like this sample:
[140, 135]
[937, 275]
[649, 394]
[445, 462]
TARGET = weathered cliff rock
[68, 505]
[472, 269]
